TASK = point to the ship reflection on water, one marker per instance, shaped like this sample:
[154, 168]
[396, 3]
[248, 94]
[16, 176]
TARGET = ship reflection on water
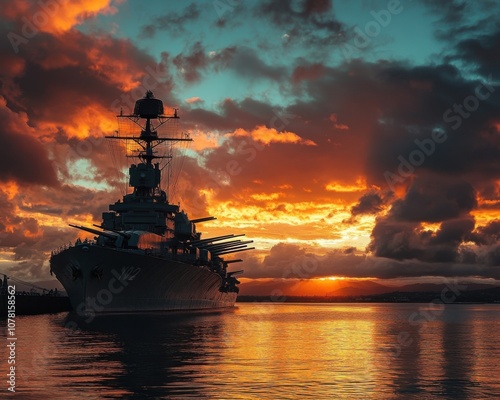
[263, 351]
[151, 354]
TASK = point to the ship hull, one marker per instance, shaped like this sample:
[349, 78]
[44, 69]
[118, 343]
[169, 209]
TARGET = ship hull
[105, 280]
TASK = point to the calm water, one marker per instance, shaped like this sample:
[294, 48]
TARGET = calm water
[263, 351]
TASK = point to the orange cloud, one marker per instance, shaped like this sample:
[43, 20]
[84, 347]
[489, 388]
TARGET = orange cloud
[193, 100]
[339, 187]
[203, 140]
[116, 70]
[55, 16]
[267, 135]
[91, 120]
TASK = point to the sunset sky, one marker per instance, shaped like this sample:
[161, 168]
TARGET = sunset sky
[348, 139]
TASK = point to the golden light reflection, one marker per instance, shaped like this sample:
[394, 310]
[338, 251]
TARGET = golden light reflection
[342, 339]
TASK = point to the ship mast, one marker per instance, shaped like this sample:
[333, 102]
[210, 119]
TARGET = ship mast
[145, 176]
[148, 108]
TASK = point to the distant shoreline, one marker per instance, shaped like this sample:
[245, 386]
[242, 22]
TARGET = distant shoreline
[482, 296]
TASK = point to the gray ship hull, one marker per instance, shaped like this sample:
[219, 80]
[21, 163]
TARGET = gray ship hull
[106, 280]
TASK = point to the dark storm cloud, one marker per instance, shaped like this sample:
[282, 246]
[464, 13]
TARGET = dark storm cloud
[436, 109]
[370, 203]
[454, 231]
[190, 64]
[483, 52]
[456, 19]
[434, 199]
[241, 60]
[400, 234]
[310, 21]
[406, 241]
[22, 157]
[488, 234]
[452, 12]
[246, 62]
[172, 22]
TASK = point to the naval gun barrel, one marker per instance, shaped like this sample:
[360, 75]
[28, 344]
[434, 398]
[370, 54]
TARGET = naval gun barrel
[95, 232]
[224, 250]
[234, 251]
[214, 239]
[227, 245]
[240, 271]
[233, 261]
[203, 219]
[208, 245]
[122, 234]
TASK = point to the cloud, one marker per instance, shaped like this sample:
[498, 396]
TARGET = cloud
[240, 60]
[457, 19]
[482, 52]
[371, 202]
[194, 100]
[434, 199]
[53, 16]
[289, 261]
[75, 83]
[311, 21]
[307, 72]
[173, 22]
[189, 65]
[22, 157]
[266, 135]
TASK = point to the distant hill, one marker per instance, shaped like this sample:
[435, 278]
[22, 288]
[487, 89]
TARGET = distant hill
[359, 288]
[433, 287]
[367, 288]
[341, 288]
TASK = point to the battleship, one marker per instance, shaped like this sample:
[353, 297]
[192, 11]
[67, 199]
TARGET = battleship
[147, 254]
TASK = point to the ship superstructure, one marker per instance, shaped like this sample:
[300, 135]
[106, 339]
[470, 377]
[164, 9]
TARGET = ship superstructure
[147, 254]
